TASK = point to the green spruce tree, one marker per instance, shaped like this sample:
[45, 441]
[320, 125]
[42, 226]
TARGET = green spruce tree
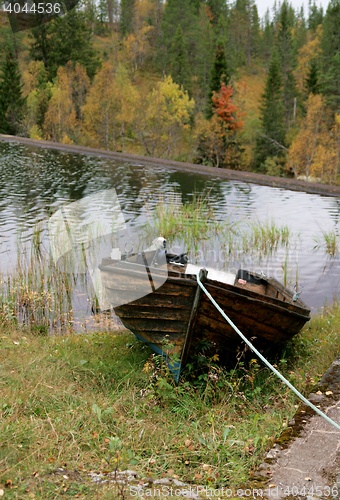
[287, 55]
[271, 139]
[179, 32]
[315, 16]
[11, 100]
[126, 16]
[205, 51]
[179, 65]
[312, 85]
[267, 39]
[244, 31]
[330, 44]
[218, 9]
[220, 73]
[66, 38]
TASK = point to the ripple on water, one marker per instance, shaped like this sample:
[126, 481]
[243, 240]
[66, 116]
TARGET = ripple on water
[35, 182]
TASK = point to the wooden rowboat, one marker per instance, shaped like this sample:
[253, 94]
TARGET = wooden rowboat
[175, 317]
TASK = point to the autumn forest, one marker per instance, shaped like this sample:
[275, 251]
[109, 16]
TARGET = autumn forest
[203, 81]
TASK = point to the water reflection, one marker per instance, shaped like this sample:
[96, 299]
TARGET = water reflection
[35, 182]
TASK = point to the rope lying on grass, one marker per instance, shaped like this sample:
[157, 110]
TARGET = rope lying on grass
[265, 361]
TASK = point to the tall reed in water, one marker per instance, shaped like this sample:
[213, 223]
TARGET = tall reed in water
[37, 294]
[329, 242]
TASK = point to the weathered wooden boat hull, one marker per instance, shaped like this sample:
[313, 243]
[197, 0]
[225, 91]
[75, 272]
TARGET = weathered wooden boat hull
[162, 318]
[177, 316]
[268, 322]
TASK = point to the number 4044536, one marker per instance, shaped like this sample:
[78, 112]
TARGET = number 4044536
[31, 8]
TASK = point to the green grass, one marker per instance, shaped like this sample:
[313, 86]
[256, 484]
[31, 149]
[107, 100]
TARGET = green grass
[76, 404]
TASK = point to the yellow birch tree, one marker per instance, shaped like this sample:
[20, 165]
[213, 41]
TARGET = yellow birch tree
[63, 117]
[308, 52]
[110, 108]
[313, 153]
[138, 44]
[165, 119]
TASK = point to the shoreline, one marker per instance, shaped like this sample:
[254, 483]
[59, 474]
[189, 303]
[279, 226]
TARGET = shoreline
[237, 175]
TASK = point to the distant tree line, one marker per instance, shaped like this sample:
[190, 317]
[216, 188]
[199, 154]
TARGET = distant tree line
[162, 78]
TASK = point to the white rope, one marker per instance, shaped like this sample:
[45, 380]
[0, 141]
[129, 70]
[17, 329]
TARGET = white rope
[265, 361]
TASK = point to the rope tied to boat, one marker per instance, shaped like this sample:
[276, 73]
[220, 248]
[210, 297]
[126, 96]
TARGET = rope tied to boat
[265, 361]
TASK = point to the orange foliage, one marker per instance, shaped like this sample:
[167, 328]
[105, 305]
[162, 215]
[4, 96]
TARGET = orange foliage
[225, 109]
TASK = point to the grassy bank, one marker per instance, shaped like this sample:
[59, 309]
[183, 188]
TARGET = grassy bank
[78, 404]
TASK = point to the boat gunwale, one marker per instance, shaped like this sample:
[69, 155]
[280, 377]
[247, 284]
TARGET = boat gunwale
[271, 302]
[172, 276]
[297, 308]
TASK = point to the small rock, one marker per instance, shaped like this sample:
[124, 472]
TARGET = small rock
[316, 398]
[273, 453]
[261, 473]
[331, 379]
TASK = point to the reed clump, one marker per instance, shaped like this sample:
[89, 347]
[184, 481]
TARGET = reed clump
[37, 294]
[192, 226]
[185, 223]
[266, 237]
[329, 242]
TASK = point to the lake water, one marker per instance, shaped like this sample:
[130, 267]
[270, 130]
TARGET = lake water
[35, 182]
